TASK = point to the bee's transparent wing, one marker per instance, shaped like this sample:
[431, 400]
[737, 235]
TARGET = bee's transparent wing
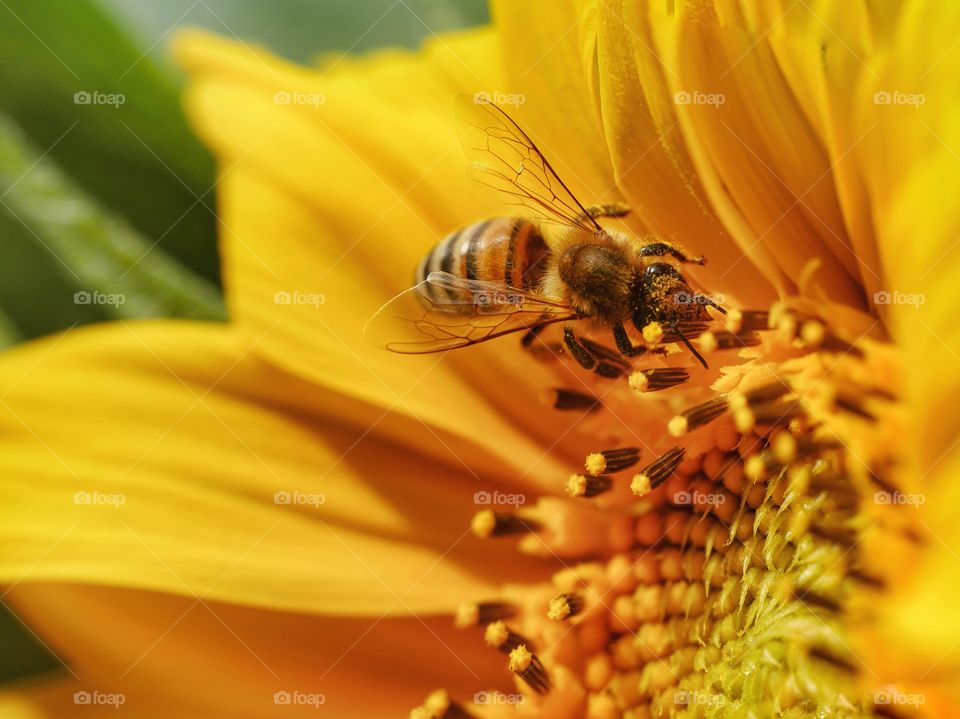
[502, 156]
[445, 312]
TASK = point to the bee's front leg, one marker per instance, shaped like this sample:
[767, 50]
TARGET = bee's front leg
[626, 347]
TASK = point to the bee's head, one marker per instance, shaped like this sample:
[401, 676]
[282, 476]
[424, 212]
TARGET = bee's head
[660, 293]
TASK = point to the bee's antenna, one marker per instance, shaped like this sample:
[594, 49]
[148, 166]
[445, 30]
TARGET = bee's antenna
[690, 347]
[707, 301]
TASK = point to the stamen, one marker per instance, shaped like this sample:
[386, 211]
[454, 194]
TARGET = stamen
[652, 333]
[657, 472]
[528, 667]
[487, 523]
[568, 399]
[729, 340]
[698, 416]
[565, 606]
[654, 380]
[500, 637]
[752, 320]
[612, 460]
[580, 486]
[439, 706]
[473, 614]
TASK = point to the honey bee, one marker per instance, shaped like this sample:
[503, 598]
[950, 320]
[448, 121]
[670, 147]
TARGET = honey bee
[501, 275]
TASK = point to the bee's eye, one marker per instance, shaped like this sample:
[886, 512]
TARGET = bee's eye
[658, 269]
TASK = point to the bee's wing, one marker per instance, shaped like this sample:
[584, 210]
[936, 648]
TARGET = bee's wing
[445, 312]
[502, 156]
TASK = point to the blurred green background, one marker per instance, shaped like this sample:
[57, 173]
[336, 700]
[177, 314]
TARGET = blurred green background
[98, 200]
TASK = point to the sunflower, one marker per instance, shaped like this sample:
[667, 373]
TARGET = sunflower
[272, 516]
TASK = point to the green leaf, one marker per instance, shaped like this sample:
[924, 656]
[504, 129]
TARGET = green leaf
[99, 106]
[104, 263]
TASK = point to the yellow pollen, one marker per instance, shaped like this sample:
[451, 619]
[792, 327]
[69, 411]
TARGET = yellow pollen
[483, 524]
[640, 485]
[496, 634]
[733, 321]
[577, 485]
[784, 447]
[520, 659]
[652, 333]
[639, 382]
[559, 609]
[743, 420]
[754, 468]
[708, 342]
[812, 333]
[677, 427]
[467, 616]
[596, 464]
[438, 702]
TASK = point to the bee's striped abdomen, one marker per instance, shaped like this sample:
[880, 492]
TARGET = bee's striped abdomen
[504, 250]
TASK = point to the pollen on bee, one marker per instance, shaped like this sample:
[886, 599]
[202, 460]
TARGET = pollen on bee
[565, 606]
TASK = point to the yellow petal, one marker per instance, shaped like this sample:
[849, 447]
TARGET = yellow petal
[167, 456]
[173, 656]
[326, 211]
[912, 164]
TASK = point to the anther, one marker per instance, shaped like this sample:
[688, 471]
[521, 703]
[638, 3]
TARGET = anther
[473, 614]
[439, 706]
[697, 416]
[568, 399]
[729, 340]
[565, 606]
[487, 523]
[751, 321]
[657, 472]
[611, 460]
[500, 637]
[654, 380]
[528, 667]
[580, 486]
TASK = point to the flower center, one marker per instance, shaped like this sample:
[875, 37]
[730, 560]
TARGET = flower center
[723, 575]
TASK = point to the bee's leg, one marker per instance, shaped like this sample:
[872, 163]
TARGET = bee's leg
[626, 347]
[592, 356]
[683, 338]
[662, 249]
[608, 209]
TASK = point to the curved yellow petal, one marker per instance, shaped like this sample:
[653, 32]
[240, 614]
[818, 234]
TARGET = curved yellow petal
[326, 211]
[912, 164]
[168, 456]
[174, 656]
